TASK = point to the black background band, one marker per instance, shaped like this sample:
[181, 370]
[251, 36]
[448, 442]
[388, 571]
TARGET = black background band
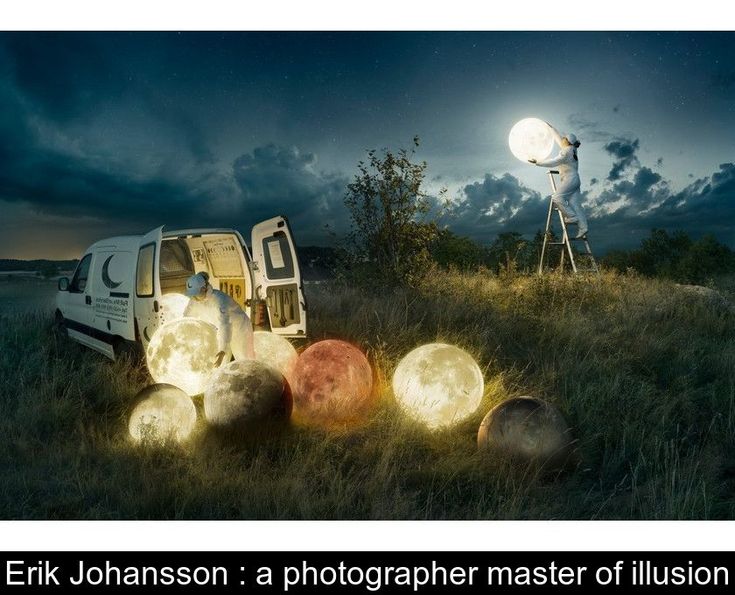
[242, 568]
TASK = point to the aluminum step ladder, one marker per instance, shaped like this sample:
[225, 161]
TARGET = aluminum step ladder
[586, 257]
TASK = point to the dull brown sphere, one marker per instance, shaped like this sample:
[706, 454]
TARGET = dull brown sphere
[527, 429]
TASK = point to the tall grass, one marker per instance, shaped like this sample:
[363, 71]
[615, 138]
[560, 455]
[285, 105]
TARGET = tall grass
[642, 370]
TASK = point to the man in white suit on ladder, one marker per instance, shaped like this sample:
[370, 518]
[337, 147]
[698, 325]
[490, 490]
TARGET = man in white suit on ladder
[567, 197]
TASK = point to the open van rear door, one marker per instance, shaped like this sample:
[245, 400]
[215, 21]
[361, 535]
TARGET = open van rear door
[278, 277]
[148, 314]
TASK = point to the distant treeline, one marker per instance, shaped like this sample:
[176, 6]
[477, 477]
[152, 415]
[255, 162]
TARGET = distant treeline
[675, 256]
[42, 267]
[666, 255]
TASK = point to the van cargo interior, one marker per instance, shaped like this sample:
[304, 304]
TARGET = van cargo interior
[219, 255]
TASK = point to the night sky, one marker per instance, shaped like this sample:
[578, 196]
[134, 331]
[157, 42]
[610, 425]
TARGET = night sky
[111, 133]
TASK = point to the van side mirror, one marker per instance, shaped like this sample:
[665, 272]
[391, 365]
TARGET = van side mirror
[63, 284]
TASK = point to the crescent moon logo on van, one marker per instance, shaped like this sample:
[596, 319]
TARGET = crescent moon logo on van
[106, 275]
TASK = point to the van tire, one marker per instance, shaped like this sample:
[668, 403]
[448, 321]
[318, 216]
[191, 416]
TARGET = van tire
[59, 326]
[130, 350]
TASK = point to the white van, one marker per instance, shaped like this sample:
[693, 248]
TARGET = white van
[115, 298]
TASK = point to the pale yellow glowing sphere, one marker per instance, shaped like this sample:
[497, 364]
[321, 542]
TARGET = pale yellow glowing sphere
[531, 138]
[438, 384]
[163, 412]
[276, 351]
[183, 352]
[173, 306]
[245, 391]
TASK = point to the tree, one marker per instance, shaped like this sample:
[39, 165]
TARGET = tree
[462, 252]
[392, 230]
[511, 252]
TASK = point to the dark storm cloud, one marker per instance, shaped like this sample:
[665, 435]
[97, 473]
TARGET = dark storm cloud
[139, 129]
[70, 182]
[68, 78]
[60, 73]
[643, 192]
[496, 204]
[58, 182]
[624, 151]
[287, 179]
[620, 214]
[705, 206]
[709, 203]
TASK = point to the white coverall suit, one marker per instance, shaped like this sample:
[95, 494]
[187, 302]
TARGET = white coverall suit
[568, 190]
[234, 331]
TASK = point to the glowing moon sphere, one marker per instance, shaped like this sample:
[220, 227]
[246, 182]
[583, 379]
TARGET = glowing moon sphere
[173, 306]
[245, 391]
[182, 352]
[163, 412]
[531, 138]
[332, 384]
[527, 429]
[438, 384]
[276, 351]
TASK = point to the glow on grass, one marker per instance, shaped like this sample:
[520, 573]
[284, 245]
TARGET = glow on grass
[438, 384]
[531, 138]
[163, 412]
[275, 351]
[182, 352]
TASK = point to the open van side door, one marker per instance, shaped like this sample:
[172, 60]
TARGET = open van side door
[148, 313]
[277, 277]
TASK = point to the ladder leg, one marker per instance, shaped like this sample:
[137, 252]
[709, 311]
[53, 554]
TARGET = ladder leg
[546, 238]
[595, 268]
[567, 243]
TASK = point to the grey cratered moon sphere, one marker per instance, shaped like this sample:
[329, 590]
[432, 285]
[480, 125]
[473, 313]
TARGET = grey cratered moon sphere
[527, 429]
[162, 412]
[244, 391]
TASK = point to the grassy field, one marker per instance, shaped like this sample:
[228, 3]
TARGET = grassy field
[643, 370]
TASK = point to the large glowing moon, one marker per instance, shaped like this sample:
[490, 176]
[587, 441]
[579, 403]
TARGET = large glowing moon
[182, 352]
[438, 384]
[173, 306]
[163, 412]
[527, 429]
[531, 138]
[333, 384]
[244, 391]
[276, 351]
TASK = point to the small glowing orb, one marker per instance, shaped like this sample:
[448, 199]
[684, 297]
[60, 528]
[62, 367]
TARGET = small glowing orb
[527, 429]
[276, 351]
[182, 352]
[531, 138]
[173, 306]
[332, 384]
[163, 412]
[438, 384]
[244, 391]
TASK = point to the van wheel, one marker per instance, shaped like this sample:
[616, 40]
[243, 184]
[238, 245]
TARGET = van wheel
[128, 350]
[59, 326]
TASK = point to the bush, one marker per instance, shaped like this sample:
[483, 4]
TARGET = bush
[392, 227]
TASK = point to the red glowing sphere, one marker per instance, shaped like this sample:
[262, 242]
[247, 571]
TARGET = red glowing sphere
[332, 384]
